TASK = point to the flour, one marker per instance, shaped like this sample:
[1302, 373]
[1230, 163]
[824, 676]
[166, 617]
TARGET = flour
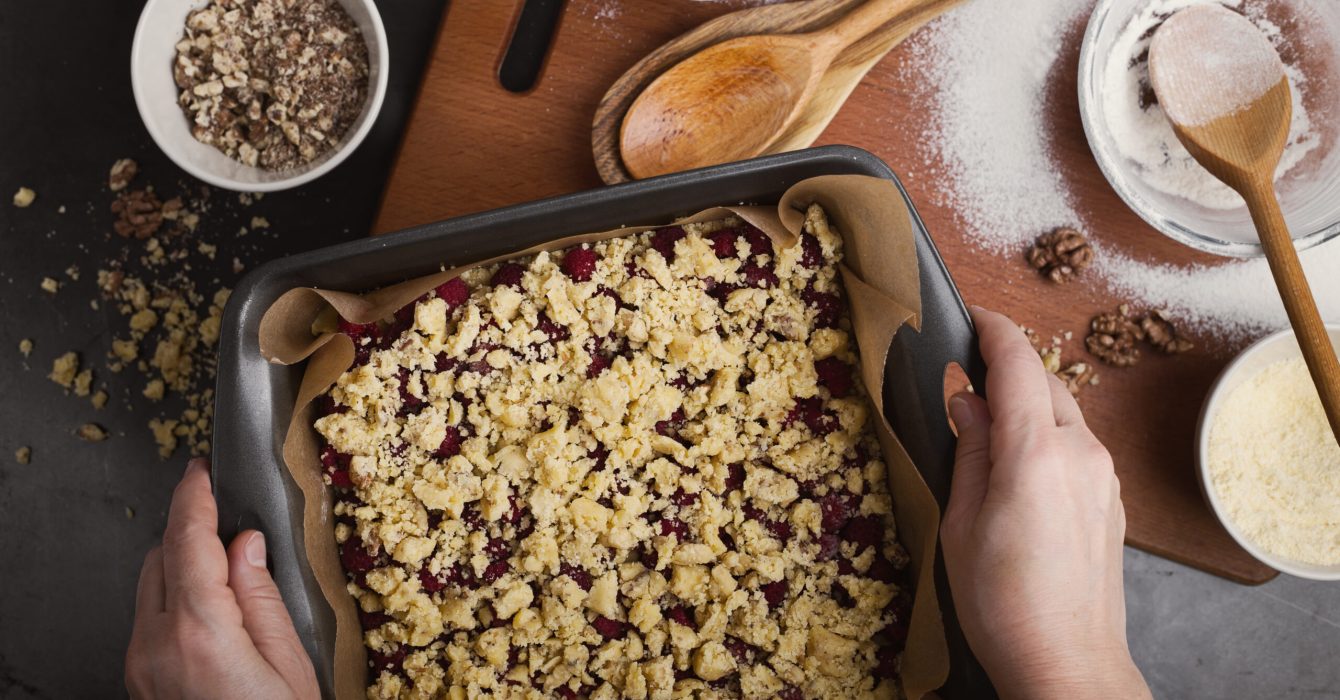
[1142, 132]
[1276, 466]
[985, 67]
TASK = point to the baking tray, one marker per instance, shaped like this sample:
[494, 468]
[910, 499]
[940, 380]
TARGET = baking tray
[255, 398]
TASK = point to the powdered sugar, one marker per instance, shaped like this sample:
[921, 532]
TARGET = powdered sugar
[1143, 134]
[986, 66]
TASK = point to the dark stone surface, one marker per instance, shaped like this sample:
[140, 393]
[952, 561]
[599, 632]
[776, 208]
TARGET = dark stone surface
[69, 555]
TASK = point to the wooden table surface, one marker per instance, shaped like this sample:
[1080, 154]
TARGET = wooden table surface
[472, 146]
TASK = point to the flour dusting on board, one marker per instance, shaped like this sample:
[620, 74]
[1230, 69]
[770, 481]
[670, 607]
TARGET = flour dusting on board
[986, 66]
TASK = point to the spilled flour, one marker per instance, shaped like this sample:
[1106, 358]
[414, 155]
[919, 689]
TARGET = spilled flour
[986, 66]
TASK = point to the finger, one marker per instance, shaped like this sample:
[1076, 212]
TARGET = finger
[1016, 384]
[264, 616]
[1064, 406]
[972, 461]
[149, 591]
[194, 562]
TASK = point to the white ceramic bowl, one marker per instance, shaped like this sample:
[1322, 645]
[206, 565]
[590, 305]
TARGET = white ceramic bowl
[1267, 351]
[161, 25]
[1309, 193]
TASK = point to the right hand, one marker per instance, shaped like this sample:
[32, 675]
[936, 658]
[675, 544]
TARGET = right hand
[1033, 532]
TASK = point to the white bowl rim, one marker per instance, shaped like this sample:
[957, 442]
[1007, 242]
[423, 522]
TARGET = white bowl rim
[301, 177]
[1208, 411]
[1107, 164]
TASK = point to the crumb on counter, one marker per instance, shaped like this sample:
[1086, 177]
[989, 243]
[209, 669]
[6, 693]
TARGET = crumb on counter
[24, 197]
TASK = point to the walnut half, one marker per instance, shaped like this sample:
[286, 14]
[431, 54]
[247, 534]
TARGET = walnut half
[1113, 337]
[1061, 254]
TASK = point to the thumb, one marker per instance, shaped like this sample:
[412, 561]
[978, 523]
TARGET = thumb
[972, 461]
[264, 616]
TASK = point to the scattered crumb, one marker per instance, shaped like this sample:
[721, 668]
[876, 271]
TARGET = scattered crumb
[23, 455]
[50, 286]
[164, 436]
[99, 399]
[91, 432]
[64, 369]
[72, 272]
[26, 347]
[83, 382]
[259, 222]
[130, 513]
[154, 390]
[24, 197]
[61, 210]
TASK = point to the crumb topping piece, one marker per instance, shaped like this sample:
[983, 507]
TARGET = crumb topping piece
[638, 468]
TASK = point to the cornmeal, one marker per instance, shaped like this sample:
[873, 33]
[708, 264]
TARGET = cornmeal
[1276, 465]
[640, 468]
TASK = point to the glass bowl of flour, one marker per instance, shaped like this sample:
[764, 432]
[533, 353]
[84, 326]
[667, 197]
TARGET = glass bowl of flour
[1135, 146]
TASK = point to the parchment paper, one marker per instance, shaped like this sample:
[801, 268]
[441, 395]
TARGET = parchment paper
[882, 285]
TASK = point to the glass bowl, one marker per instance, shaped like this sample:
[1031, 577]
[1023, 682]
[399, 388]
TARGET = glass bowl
[1309, 192]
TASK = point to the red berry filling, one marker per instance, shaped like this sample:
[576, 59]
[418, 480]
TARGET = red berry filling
[609, 629]
[664, 240]
[580, 264]
[509, 274]
[835, 376]
[454, 291]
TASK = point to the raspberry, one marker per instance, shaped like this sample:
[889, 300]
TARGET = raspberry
[790, 692]
[392, 662]
[723, 242]
[495, 571]
[372, 620]
[810, 412]
[355, 558]
[834, 375]
[454, 291]
[445, 363]
[759, 243]
[578, 575]
[828, 548]
[779, 529]
[882, 570]
[827, 307]
[664, 240]
[682, 499]
[734, 476]
[580, 264]
[497, 549]
[775, 593]
[325, 406]
[508, 275]
[841, 596]
[811, 254]
[836, 509]
[845, 567]
[864, 530]
[451, 443]
[430, 583]
[336, 467]
[681, 615]
[365, 337]
[609, 629]
[601, 456]
[756, 276]
[409, 403]
[676, 527]
[599, 363]
[741, 650]
[515, 510]
[554, 331]
[472, 517]
[671, 425]
[886, 665]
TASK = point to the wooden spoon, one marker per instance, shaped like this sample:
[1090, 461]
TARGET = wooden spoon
[734, 99]
[1223, 86]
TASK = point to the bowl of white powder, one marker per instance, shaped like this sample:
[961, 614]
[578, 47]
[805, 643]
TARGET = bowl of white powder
[1269, 464]
[1149, 168]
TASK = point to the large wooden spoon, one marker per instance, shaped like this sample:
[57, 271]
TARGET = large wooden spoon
[1223, 86]
[732, 100]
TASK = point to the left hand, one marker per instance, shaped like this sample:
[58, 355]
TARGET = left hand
[210, 623]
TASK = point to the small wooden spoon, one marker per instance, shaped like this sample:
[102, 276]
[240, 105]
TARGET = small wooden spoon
[733, 99]
[1223, 86]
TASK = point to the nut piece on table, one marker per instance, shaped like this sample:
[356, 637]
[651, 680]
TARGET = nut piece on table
[123, 171]
[139, 214]
[1060, 255]
[1112, 337]
[23, 455]
[1161, 333]
[1077, 376]
[24, 197]
[91, 432]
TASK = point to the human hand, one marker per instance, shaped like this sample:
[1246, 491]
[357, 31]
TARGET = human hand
[210, 623]
[1033, 532]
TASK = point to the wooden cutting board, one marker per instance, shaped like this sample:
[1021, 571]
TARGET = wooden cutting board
[471, 146]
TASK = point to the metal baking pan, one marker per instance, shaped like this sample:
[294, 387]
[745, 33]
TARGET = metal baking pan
[255, 398]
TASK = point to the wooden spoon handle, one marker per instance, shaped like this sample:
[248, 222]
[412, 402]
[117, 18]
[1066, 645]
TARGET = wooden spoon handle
[1315, 342]
[864, 20]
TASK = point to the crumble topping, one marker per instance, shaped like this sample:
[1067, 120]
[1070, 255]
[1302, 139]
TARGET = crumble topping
[640, 468]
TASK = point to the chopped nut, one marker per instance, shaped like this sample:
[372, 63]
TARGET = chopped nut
[1113, 337]
[91, 432]
[23, 455]
[24, 197]
[50, 285]
[139, 214]
[1078, 375]
[1061, 254]
[123, 171]
[1161, 333]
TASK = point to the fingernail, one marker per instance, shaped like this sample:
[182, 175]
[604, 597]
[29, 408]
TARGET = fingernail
[961, 412]
[197, 463]
[255, 550]
[975, 308]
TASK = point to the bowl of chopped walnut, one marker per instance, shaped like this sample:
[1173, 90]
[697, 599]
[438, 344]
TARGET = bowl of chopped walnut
[259, 95]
